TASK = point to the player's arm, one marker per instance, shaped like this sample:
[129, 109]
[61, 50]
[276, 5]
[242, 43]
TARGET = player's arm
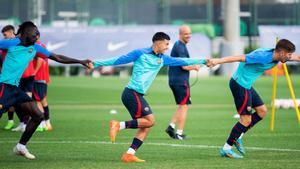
[172, 61]
[228, 59]
[119, 60]
[189, 68]
[43, 52]
[38, 64]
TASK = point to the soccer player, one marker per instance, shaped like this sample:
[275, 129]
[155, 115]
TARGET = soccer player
[252, 66]
[21, 51]
[179, 84]
[8, 32]
[40, 85]
[146, 64]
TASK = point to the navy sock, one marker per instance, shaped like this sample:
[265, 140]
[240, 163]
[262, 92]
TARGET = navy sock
[136, 143]
[236, 131]
[254, 119]
[133, 124]
[10, 115]
[46, 112]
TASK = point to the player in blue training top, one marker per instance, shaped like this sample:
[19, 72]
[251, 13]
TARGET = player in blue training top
[252, 66]
[146, 64]
[20, 51]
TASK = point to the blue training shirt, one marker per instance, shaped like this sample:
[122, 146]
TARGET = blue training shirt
[17, 59]
[146, 65]
[177, 75]
[257, 62]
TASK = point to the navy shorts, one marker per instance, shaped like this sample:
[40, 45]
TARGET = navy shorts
[26, 84]
[11, 96]
[39, 91]
[181, 94]
[135, 103]
[244, 99]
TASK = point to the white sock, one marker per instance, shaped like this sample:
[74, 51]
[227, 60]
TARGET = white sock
[172, 125]
[122, 125]
[179, 132]
[227, 146]
[21, 146]
[241, 136]
[131, 151]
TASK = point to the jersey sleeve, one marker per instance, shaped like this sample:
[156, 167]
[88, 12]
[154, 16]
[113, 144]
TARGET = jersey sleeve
[171, 61]
[258, 57]
[119, 60]
[41, 51]
[6, 43]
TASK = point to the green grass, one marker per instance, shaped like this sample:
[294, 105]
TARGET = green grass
[80, 116]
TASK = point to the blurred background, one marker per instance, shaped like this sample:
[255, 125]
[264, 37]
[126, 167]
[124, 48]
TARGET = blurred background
[100, 29]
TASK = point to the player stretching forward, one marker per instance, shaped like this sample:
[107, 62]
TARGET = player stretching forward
[252, 66]
[20, 51]
[146, 64]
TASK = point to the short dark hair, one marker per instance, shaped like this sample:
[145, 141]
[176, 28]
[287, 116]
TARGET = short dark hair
[28, 33]
[160, 36]
[285, 45]
[8, 28]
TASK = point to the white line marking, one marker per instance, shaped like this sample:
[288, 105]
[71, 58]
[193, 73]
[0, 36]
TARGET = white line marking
[155, 144]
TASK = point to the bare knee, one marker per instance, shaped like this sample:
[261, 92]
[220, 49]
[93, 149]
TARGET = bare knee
[245, 120]
[262, 111]
[150, 121]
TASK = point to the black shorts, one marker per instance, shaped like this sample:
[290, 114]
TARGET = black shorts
[11, 95]
[39, 91]
[26, 84]
[135, 103]
[181, 94]
[244, 99]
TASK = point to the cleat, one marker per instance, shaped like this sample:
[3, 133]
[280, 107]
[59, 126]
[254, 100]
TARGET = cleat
[9, 125]
[170, 131]
[114, 129]
[40, 129]
[180, 137]
[20, 127]
[239, 146]
[23, 152]
[229, 153]
[129, 158]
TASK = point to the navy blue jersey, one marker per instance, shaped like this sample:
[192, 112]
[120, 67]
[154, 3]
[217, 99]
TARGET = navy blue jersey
[177, 75]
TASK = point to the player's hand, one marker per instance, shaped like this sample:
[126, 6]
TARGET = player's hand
[87, 63]
[212, 62]
[197, 67]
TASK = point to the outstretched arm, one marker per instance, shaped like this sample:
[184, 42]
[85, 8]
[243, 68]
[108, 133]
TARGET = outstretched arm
[172, 61]
[43, 52]
[67, 60]
[228, 59]
[119, 60]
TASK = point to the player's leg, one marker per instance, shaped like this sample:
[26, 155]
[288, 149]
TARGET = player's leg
[46, 114]
[138, 108]
[243, 101]
[139, 138]
[36, 117]
[182, 98]
[10, 122]
[259, 107]
[23, 121]
[137, 141]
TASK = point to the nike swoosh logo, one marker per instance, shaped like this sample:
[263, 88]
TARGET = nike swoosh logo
[55, 46]
[115, 46]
